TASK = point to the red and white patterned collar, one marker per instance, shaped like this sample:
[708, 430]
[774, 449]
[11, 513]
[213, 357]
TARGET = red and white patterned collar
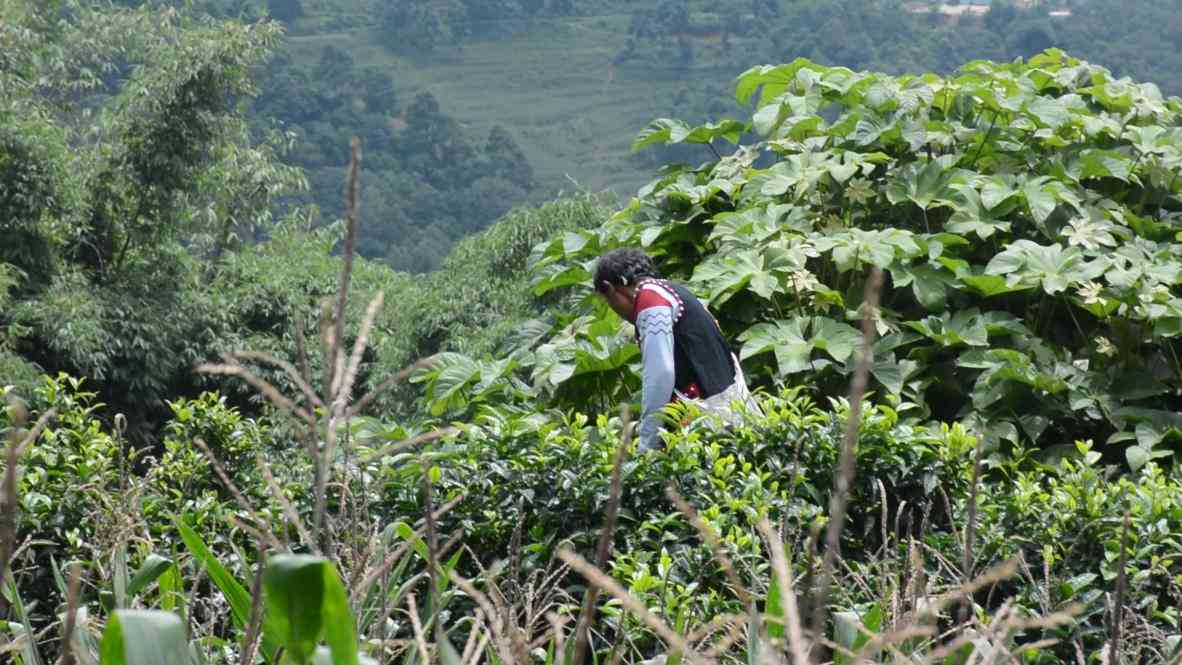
[662, 290]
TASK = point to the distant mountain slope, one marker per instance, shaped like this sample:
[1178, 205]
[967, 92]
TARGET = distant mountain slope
[572, 90]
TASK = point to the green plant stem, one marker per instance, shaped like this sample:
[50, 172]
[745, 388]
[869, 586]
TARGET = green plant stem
[988, 135]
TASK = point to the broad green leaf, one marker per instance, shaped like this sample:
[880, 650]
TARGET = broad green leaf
[793, 342]
[308, 603]
[1039, 200]
[971, 214]
[835, 338]
[924, 185]
[144, 637]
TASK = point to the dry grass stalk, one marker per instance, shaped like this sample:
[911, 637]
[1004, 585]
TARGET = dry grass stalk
[604, 581]
[557, 630]
[243, 502]
[17, 445]
[970, 527]
[474, 635]
[231, 368]
[606, 535]
[352, 209]
[289, 369]
[501, 639]
[334, 357]
[288, 509]
[797, 645]
[409, 442]
[354, 364]
[844, 477]
[301, 348]
[708, 629]
[72, 595]
[1118, 611]
[420, 638]
[358, 590]
[708, 535]
[250, 639]
[432, 553]
[32, 435]
[401, 376]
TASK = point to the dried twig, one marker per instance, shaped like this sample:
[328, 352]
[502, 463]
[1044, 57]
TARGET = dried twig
[1118, 612]
[844, 477]
[970, 528]
[796, 641]
[606, 535]
[250, 639]
[420, 639]
[409, 442]
[243, 502]
[72, 595]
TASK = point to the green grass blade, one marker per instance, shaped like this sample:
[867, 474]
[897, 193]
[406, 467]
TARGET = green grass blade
[774, 608]
[120, 577]
[29, 651]
[149, 571]
[236, 594]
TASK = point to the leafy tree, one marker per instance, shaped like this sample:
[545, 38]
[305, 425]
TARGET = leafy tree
[118, 211]
[423, 25]
[506, 159]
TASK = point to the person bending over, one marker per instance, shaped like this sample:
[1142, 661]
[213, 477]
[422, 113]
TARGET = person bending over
[684, 356]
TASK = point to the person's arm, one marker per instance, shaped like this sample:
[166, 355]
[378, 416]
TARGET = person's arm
[654, 325]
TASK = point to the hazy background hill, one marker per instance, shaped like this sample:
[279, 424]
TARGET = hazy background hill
[470, 107]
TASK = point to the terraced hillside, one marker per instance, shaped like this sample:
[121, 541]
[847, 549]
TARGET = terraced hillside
[551, 82]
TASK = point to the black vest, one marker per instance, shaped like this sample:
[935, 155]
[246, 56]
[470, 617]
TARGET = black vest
[700, 353]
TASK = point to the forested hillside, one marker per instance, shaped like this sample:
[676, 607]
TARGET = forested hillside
[232, 438]
[468, 107]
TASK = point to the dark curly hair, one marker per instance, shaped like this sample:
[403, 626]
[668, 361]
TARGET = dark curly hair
[622, 267]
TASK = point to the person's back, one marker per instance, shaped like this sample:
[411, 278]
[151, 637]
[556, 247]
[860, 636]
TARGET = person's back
[684, 354]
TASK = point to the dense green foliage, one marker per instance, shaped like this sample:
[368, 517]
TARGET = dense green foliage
[1026, 215]
[427, 184]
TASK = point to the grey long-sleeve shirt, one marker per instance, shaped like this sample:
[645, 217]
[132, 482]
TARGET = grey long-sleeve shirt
[654, 326]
